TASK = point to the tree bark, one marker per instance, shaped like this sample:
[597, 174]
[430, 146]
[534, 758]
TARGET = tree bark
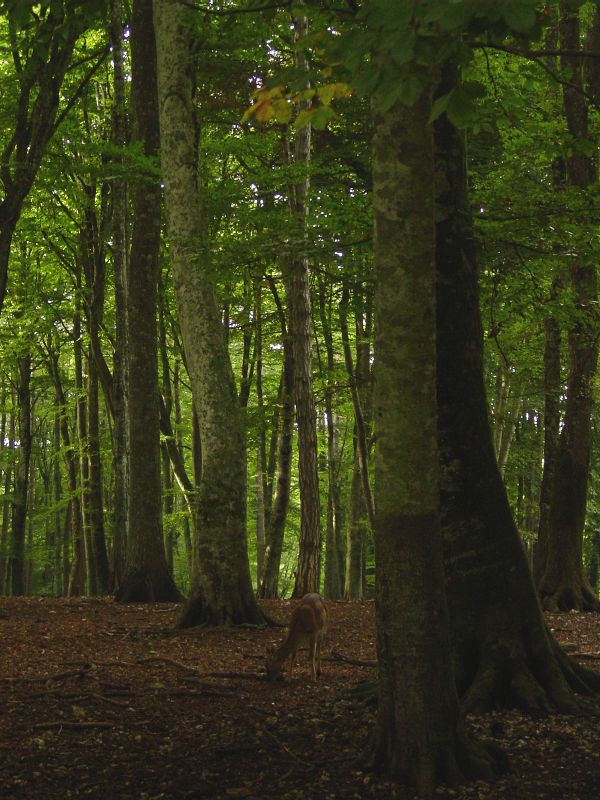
[503, 653]
[270, 584]
[120, 250]
[16, 561]
[419, 736]
[221, 587]
[146, 577]
[297, 290]
[333, 580]
[563, 585]
[552, 390]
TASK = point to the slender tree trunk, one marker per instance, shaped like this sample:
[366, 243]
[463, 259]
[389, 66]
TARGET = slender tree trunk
[31, 487]
[96, 503]
[333, 584]
[261, 450]
[21, 481]
[563, 585]
[270, 583]
[358, 529]
[77, 578]
[6, 505]
[120, 249]
[221, 587]
[297, 291]
[57, 486]
[147, 576]
[552, 390]
[362, 448]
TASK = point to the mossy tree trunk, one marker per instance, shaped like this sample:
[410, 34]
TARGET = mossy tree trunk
[503, 653]
[419, 736]
[221, 587]
[147, 576]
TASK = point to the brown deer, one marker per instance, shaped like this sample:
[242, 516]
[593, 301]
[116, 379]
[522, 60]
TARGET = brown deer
[308, 624]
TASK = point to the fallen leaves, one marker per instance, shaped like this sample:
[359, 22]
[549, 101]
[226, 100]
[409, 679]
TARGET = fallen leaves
[120, 705]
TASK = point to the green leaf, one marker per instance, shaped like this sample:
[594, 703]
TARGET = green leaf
[439, 106]
[520, 15]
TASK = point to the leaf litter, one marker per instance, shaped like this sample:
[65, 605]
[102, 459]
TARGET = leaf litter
[107, 701]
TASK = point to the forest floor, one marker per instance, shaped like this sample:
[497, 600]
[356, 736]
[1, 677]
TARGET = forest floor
[109, 702]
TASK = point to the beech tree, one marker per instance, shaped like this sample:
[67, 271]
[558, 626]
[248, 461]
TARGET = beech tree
[146, 576]
[503, 652]
[221, 588]
[419, 735]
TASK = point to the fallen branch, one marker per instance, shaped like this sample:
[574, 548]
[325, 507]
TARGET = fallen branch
[251, 676]
[171, 661]
[73, 725]
[346, 660]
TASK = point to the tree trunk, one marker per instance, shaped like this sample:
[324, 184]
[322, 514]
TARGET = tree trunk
[552, 390]
[563, 585]
[146, 577]
[503, 653]
[57, 498]
[16, 564]
[419, 736]
[78, 566]
[333, 582]
[297, 290]
[7, 505]
[120, 249]
[270, 583]
[358, 530]
[221, 587]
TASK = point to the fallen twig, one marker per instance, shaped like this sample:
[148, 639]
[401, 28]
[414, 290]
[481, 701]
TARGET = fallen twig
[73, 725]
[347, 660]
[165, 660]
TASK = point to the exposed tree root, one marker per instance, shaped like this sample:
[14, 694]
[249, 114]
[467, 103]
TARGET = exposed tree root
[197, 611]
[533, 677]
[450, 763]
[567, 597]
[142, 588]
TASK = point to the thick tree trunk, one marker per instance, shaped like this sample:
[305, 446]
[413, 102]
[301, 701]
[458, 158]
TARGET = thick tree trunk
[146, 576]
[563, 585]
[504, 655]
[419, 736]
[221, 587]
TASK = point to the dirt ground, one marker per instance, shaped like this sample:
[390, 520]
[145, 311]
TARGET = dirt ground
[104, 701]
